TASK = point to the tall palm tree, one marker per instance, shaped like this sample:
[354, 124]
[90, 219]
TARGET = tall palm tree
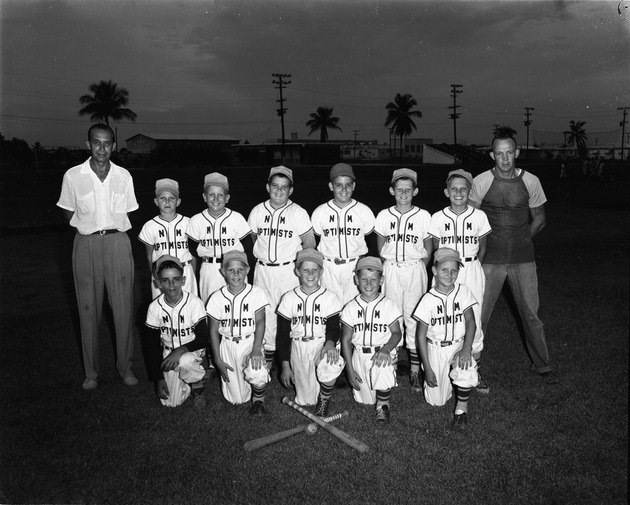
[322, 120]
[399, 115]
[107, 100]
[576, 136]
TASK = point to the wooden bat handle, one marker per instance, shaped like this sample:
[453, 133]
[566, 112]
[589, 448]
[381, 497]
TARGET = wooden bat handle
[341, 435]
[261, 442]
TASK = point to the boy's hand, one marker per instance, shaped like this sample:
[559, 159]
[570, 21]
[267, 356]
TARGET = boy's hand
[223, 368]
[171, 362]
[353, 379]
[257, 358]
[463, 358]
[382, 358]
[430, 378]
[330, 351]
[286, 376]
[161, 389]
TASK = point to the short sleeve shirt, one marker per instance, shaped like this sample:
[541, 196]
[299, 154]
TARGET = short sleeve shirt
[176, 324]
[166, 237]
[403, 234]
[444, 314]
[460, 231]
[308, 313]
[236, 313]
[370, 321]
[216, 236]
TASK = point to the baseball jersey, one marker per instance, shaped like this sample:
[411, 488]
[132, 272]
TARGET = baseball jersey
[308, 313]
[278, 231]
[176, 324]
[460, 231]
[370, 321]
[167, 237]
[506, 202]
[403, 233]
[236, 313]
[444, 314]
[218, 235]
[342, 230]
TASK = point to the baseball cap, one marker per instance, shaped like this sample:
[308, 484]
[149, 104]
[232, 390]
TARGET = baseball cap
[309, 255]
[282, 170]
[167, 257]
[341, 169]
[405, 172]
[369, 262]
[446, 254]
[162, 185]
[235, 256]
[216, 179]
[461, 173]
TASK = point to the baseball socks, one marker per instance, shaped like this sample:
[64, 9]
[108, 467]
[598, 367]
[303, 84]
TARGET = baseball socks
[461, 408]
[414, 375]
[269, 358]
[323, 400]
[258, 401]
[197, 390]
[482, 386]
[382, 406]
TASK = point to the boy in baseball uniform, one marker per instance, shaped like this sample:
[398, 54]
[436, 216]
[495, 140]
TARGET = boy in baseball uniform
[280, 228]
[464, 228]
[237, 327]
[308, 335]
[165, 234]
[342, 225]
[445, 334]
[405, 245]
[370, 332]
[216, 230]
[178, 321]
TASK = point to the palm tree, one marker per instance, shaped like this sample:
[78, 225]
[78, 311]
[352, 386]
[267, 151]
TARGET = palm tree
[399, 116]
[576, 136]
[322, 120]
[37, 150]
[106, 101]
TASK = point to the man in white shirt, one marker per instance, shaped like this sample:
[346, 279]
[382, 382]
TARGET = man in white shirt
[96, 197]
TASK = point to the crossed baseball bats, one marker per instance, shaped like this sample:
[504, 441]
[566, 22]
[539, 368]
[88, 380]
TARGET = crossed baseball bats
[258, 443]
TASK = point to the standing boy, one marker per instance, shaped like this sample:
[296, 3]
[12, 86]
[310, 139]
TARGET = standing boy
[166, 234]
[178, 321]
[342, 225]
[370, 325]
[308, 335]
[96, 197]
[445, 334]
[217, 230]
[237, 327]
[464, 228]
[280, 228]
[405, 245]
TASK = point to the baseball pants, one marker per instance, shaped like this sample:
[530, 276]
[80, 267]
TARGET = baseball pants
[210, 279]
[340, 280]
[189, 371]
[373, 378]
[233, 352]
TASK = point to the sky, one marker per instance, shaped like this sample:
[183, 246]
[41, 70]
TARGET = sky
[205, 67]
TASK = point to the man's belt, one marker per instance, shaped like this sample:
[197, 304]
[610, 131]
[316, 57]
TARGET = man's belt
[236, 340]
[104, 232]
[340, 261]
[444, 343]
[208, 259]
[368, 349]
[275, 264]
[470, 259]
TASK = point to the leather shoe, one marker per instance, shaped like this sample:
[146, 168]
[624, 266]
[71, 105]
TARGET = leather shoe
[90, 384]
[130, 379]
[550, 378]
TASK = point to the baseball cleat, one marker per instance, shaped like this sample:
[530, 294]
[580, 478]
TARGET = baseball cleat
[90, 384]
[258, 409]
[130, 379]
[460, 421]
[482, 387]
[321, 410]
[382, 415]
[414, 380]
[550, 378]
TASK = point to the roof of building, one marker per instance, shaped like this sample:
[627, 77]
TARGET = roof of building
[175, 136]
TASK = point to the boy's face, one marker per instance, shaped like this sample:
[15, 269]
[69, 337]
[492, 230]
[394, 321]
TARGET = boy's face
[368, 281]
[279, 189]
[403, 192]
[216, 199]
[235, 273]
[342, 188]
[171, 283]
[445, 274]
[309, 274]
[167, 202]
[457, 191]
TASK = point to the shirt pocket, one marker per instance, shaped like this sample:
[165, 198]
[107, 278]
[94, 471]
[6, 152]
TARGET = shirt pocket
[119, 203]
[85, 203]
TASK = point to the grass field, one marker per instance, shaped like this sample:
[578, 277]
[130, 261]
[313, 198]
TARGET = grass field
[527, 442]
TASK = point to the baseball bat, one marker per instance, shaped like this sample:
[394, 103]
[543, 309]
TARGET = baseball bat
[336, 432]
[259, 443]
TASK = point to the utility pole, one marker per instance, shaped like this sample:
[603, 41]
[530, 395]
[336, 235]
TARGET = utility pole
[527, 123]
[495, 128]
[354, 155]
[281, 111]
[454, 92]
[623, 126]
